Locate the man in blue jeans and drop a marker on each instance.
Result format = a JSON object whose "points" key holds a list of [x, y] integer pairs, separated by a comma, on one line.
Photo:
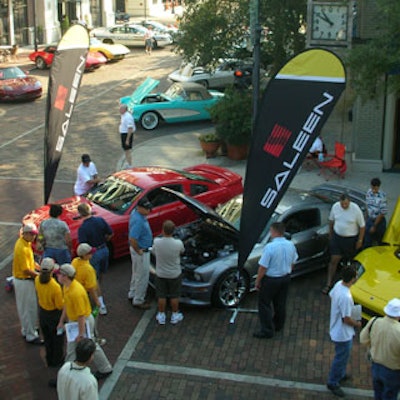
{"points": [[341, 329], [96, 232]]}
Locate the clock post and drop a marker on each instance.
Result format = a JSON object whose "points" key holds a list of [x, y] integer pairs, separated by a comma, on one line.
{"points": [[329, 23]]}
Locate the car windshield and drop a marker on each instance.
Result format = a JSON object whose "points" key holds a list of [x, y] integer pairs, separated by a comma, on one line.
{"points": [[11, 73], [175, 92], [95, 42], [114, 194], [231, 211]]}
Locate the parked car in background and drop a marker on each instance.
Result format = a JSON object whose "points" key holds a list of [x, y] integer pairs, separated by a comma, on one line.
{"points": [[43, 58], [210, 273], [378, 270], [16, 85], [181, 102], [159, 27], [121, 16], [116, 197], [129, 35], [113, 52], [220, 77]]}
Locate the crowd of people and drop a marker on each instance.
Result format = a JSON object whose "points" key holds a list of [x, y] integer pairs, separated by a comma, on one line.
{"points": [[63, 290]]}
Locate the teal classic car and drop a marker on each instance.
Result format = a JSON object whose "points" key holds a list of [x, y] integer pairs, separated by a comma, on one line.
{"points": [[181, 102]]}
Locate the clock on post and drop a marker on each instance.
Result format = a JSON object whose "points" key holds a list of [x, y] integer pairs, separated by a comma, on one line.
{"points": [[329, 23]]}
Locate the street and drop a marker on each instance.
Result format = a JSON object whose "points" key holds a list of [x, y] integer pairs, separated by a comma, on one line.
{"points": [[205, 356]]}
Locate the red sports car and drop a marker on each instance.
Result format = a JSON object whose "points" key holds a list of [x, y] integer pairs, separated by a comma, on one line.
{"points": [[117, 196], [16, 85], [43, 58]]}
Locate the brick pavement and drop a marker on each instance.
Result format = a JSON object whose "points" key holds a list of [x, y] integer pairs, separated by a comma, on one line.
{"points": [[207, 357]]}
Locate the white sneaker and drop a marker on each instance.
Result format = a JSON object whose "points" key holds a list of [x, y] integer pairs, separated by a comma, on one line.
{"points": [[101, 341], [103, 310], [160, 317], [176, 317]]}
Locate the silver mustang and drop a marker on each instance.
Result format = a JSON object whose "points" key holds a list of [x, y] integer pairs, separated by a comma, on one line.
{"points": [[210, 273]]}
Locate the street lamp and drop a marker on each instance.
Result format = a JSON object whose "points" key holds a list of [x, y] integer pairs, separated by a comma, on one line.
{"points": [[255, 31]]}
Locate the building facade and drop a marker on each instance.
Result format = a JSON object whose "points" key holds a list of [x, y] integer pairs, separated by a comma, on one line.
{"points": [[23, 22], [369, 129]]}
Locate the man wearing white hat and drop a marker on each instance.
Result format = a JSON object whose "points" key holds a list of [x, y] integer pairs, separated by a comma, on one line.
{"points": [[77, 309], [383, 337], [24, 271]]}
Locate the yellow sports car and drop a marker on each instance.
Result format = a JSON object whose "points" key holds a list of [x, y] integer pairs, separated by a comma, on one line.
{"points": [[112, 52], [379, 271]]}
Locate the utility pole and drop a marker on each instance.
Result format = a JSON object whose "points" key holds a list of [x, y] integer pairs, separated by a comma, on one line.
{"points": [[255, 31]]}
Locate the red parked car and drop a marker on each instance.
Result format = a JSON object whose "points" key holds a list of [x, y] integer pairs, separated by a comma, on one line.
{"points": [[43, 58], [117, 196], [16, 85]]}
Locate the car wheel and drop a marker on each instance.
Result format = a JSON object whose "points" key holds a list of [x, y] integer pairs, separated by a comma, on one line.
{"points": [[150, 120], [231, 288], [40, 63], [155, 44], [203, 83]]}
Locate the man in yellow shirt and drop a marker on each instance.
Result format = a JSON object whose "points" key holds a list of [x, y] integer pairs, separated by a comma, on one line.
{"points": [[51, 303], [77, 309], [86, 276], [85, 273], [24, 273]]}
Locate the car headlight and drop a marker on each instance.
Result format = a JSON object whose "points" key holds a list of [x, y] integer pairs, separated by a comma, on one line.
{"points": [[359, 268], [197, 277]]}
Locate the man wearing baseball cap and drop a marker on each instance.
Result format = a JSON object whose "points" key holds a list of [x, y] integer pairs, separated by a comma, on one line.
{"points": [[140, 241], [77, 308], [51, 303], [24, 271], [382, 335], [87, 176]]}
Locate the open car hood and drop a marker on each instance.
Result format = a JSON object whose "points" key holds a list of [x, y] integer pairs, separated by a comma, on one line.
{"points": [[205, 213], [141, 92], [392, 234]]}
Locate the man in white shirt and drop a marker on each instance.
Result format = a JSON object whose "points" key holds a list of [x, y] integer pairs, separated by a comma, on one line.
{"points": [[168, 250], [346, 234], [74, 380], [86, 176], [148, 40], [317, 147], [341, 329], [126, 129]]}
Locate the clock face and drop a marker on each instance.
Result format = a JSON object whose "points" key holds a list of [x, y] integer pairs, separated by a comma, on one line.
{"points": [[329, 22]]}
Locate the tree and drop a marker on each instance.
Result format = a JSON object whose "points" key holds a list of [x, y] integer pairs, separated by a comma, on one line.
{"points": [[214, 29], [370, 62]]}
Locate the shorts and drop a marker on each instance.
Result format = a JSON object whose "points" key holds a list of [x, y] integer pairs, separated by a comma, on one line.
{"points": [[166, 287], [149, 43], [123, 140], [343, 246]]}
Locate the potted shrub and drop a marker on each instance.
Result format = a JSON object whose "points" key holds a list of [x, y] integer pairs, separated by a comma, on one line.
{"points": [[232, 116], [210, 143]]}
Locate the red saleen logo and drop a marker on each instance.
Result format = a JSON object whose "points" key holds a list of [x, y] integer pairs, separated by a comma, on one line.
{"points": [[62, 92], [277, 140]]}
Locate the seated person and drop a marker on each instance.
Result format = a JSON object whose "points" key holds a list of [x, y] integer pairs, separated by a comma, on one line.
{"points": [[316, 148]]}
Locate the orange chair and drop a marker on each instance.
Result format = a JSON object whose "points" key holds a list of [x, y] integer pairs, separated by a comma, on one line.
{"points": [[334, 164]]}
